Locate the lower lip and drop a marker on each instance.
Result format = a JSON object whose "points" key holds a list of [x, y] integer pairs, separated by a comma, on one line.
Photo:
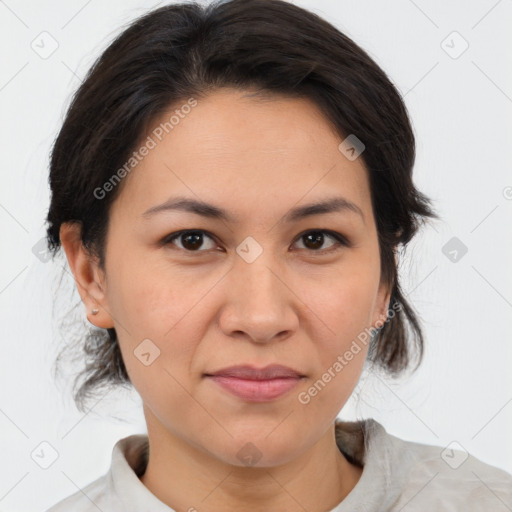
{"points": [[256, 390]]}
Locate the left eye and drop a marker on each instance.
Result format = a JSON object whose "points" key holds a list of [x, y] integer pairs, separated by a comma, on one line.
{"points": [[192, 240], [316, 238]]}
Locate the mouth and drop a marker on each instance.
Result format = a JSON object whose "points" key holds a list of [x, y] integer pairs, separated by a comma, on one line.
{"points": [[256, 384]]}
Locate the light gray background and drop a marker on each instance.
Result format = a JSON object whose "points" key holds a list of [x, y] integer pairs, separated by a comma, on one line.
{"points": [[461, 111]]}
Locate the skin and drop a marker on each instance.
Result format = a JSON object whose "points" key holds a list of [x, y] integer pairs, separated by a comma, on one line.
{"points": [[207, 308]]}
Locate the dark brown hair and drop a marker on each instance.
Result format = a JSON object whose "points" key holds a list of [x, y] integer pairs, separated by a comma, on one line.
{"points": [[272, 46]]}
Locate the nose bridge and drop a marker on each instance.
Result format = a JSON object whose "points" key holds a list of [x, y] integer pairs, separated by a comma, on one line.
{"points": [[259, 300], [256, 271]]}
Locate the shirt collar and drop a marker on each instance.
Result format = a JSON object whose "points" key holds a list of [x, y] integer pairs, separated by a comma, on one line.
{"points": [[385, 460], [129, 460]]}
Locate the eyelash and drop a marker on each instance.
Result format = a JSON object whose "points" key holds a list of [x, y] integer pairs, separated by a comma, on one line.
{"points": [[340, 240]]}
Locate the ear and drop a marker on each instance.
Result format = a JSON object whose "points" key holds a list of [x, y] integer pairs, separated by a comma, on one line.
{"points": [[381, 310], [382, 304], [89, 278]]}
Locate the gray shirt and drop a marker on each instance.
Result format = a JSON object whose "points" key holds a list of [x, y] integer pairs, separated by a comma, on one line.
{"points": [[397, 476]]}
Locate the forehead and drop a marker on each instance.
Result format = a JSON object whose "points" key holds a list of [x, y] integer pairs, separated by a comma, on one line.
{"points": [[246, 152]]}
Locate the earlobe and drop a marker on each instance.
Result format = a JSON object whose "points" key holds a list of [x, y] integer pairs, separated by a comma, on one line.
{"points": [[382, 314], [384, 299], [383, 303], [87, 275]]}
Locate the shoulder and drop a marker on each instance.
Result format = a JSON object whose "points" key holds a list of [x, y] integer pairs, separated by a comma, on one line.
{"points": [[405, 475], [89, 499], [119, 485], [443, 477]]}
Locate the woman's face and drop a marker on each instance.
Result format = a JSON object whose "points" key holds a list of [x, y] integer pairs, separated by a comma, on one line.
{"points": [[259, 287]]}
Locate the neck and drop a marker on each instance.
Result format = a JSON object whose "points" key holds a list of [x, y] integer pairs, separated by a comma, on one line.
{"points": [[187, 478]]}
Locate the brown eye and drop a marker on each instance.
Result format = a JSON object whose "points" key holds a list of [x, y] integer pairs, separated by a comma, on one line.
{"points": [[314, 240], [190, 241]]}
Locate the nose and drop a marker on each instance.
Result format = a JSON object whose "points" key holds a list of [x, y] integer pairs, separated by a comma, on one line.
{"points": [[260, 304]]}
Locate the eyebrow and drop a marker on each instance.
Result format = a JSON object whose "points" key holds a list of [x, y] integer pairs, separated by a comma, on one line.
{"points": [[186, 204]]}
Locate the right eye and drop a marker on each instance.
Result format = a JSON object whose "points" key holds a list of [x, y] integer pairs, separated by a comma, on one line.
{"points": [[190, 240]]}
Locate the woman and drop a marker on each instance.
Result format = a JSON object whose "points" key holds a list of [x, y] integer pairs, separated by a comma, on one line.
{"points": [[231, 186]]}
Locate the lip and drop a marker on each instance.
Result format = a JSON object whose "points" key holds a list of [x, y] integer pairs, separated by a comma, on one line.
{"points": [[249, 372], [257, 384]]}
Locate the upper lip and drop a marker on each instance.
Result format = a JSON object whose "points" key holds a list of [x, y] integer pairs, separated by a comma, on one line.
{"points": [[273, 371]]}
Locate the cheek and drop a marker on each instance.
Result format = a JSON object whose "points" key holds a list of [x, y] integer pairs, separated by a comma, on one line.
{"points": [[158, 304], [343, 302], [342, 305], [346, 311], [150, 299]]}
